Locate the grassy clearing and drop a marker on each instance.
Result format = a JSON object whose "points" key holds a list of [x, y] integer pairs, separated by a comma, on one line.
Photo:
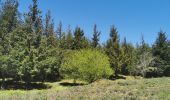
{"points": [[129, 89]]}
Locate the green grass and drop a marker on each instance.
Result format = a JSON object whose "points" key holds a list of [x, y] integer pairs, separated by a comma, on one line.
{"points": [[129, 89]]}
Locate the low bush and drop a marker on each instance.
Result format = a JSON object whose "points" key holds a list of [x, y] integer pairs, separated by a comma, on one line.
{"points": [[86, 65]]}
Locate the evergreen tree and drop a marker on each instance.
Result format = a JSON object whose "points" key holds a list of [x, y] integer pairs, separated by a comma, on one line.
{"points": [[144, 47], [48, 62], [128, 57], [160, 51], [144, 59], [33, 29], [69, 39], [167, 71], [34, 12], [8, 22], [86, 43], [60, 33], [35, 22], [39, 32], [51, 39], [49, 31], [79, 39], [114, 51], [47, 23], [9, 15], [95, 39], [63, 41]]}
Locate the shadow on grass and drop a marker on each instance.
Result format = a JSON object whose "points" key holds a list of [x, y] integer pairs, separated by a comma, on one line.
{"points": [[116, 77], [14, 85], [71, 84]]}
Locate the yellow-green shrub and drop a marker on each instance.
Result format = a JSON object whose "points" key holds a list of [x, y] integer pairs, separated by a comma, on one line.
{"points": [[86, 65]]}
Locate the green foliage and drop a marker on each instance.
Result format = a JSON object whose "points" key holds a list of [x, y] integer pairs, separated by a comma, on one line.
{"points": [[95, 39], [161, 52], [129, 59], [143, 64], [136, 89], [47, 66], [143, 60], [87, 65], [31, 50], [69, 39], [80, 41], [167, 71], [114, 51], [8, 23]]}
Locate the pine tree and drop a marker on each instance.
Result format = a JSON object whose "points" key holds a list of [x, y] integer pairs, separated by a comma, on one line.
{"points": [[51, 36], [47, 23], [63, 41], [114, 51], [78, 42], [39, 32], [60, 33], [144, 59], [168, 61], [69, 39], [8, 22], [33, 28], [128, 57], [96, 38], [35, 22], [144, 47], [9, 16], [34, 12], [160, 51]]}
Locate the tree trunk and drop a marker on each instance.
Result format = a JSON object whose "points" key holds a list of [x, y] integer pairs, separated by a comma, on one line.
{"points": [[3, 83], [116, 72]]}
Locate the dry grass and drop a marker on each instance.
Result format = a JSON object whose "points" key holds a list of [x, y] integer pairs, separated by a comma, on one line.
{"points": [[129, 89]]}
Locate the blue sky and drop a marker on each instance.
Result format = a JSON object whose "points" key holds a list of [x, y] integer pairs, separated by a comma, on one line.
{"points": [[131, 17]]}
